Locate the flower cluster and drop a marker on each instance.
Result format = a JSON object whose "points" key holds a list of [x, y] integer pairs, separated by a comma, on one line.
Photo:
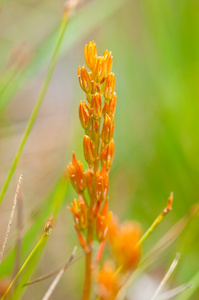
{"points": [[92, 216], [98, 143]]}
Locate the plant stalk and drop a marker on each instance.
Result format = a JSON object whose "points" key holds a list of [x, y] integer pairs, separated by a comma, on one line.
{"points": [[40, 99]]}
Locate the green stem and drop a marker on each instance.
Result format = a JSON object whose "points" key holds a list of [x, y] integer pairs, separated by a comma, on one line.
{"points": [[157, 221], [23, 266], [33, 116]]}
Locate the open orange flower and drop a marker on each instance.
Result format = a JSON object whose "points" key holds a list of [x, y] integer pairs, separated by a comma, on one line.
{"points": [[123, 241]]}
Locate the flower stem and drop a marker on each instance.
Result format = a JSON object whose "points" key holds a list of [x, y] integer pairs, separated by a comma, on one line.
{"points": [[88, 258], [157, 221], [33, 116]]}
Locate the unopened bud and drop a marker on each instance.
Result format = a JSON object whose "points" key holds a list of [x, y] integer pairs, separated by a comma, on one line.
{"points": [[88, 149], [109, 106], [97, 106], [98, 71], [90, 53], [81, 239], [84, 79], [77, 175], [109, 86], [108, 129], [108, 154], [102, 184], [108, 59], [84, 114]]}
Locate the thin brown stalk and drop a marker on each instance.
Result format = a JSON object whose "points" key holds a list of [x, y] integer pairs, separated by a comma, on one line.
{"points": [[44, 277], [167, 275], [11, 217], [19, 234], [58, 277]]}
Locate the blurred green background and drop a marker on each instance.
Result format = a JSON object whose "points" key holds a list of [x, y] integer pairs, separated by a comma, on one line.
{"points": [[155, 47]]}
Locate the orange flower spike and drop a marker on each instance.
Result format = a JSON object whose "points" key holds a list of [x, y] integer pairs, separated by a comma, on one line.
{"points": [[109, 86], [108, 129], [84, 80], [99, 68], [97, 106], [102, 184], [88, 149], [77, 175], [108, 59], [90, 53], [84, 114]]}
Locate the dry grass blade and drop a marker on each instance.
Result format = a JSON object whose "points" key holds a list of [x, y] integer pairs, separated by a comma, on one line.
{"points": [[11, 217], [19, 234], [44, 277], [166, 277], [59, 275], [175, 292]]}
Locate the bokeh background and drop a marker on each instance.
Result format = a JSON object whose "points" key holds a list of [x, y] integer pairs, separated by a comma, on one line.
{"points": [[155, 46]]}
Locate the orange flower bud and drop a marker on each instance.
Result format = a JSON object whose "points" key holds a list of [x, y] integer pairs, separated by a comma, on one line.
{"points": [[79, 211], [109, 86], [88, 149], [108, 129], [84, 114], [108, 154], [102, 222], [84, 79], [77, 175], [81, 239], [109, 106], [108, 283], [126, 254], [102, 184], [90, 53], [108, 59], [99, 68], [97, 106]]}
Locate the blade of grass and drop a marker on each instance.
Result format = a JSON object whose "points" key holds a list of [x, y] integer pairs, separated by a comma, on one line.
{"points": [[24, 265], [175, 292], [52, 206], [190, 292], [19, 234], [40, 99], [167, 276]]}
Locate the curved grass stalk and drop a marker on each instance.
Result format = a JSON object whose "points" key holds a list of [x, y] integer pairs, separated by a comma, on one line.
{"points": [[40, 99]]}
